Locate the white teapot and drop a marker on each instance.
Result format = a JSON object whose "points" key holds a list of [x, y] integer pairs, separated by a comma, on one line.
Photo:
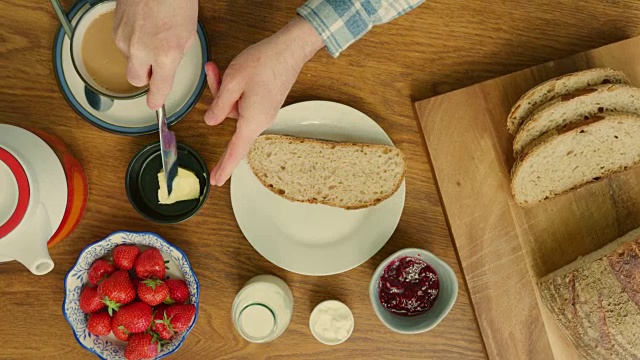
{"points": [[33, 197]]}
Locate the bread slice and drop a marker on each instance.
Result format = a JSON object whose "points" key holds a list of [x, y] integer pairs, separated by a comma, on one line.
{"points": [[576, 107], [557, 87], [563, 160], [345, 175], [596, 300]]}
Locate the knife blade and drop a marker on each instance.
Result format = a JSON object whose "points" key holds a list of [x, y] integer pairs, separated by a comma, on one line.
{"points": [[168, 149]]}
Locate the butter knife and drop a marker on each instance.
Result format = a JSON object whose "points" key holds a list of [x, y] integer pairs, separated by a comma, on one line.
{"points": [[168, 149]]}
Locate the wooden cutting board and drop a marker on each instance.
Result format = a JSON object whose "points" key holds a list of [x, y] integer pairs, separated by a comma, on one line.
{"points": [[503, 248]]}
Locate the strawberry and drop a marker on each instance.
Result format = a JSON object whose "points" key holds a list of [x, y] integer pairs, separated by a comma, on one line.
{"points": [[153, 291], [100, 269], [124, 256], [99, 324], [91, 300], [150, 263], [180, 316], [142, 346], [117, 290], [178, 291], [119, 331], [161, 324], [134, 317]]}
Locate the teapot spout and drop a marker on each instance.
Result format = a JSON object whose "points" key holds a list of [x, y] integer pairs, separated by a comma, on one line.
{"points": [[29, 246], [36, 258]]}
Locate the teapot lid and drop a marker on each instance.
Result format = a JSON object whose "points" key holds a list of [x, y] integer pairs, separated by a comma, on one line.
{"points": [[15, 195]]}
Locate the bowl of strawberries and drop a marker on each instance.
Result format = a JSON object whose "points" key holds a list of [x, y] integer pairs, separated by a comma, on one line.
{"points": [[131, 296]]}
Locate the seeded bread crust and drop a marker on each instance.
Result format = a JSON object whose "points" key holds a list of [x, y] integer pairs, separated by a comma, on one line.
{"points": [[556, 87], [596, 300], [328, 145], [550, 138]]}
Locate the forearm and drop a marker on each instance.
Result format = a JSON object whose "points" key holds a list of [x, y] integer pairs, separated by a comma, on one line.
{"points": [[302, 36], [342, 22]]}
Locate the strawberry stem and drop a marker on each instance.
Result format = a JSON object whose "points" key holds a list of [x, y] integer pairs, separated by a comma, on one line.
{"points": [[152, 282], [124, 329], [169, 301], [111, 305]]}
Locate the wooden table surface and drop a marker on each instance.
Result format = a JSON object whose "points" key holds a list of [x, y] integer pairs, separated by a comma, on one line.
{"points": [[441, 46]]}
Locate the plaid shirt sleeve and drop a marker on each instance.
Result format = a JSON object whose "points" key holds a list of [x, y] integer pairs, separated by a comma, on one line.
{"points": [[342, 22]]}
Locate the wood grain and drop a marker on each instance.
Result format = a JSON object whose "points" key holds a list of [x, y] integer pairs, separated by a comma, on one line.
{"points": [[441, 46], [504, 248]]}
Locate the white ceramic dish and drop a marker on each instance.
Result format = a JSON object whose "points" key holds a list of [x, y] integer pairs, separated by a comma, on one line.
{"points": [[424, 322], [108, 347], [47, 181], [314, 239], [314, 318]]}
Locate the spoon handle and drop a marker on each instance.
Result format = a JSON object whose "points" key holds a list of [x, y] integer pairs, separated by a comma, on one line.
{"points": [[66, 25]]}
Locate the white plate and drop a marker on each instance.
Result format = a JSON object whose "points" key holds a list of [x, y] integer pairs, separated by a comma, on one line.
{"points": [[45, 173], [313, 239]]}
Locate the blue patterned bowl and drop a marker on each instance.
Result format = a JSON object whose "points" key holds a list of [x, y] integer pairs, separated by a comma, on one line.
{"points": [[108, 347]]}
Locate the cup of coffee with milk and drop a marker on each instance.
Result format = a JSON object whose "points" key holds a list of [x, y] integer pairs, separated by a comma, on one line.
{"points": [[97, 59]]}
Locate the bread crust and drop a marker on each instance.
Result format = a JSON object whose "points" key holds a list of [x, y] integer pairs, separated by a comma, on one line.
{"points": [[592, 317], [329, 144]]}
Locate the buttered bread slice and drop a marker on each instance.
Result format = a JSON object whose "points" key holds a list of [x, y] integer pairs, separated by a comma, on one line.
{"points": [[345, 175], [563, 160]]}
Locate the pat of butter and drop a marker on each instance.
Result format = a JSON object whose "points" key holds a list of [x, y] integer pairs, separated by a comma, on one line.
{"points": [[186, 186]]}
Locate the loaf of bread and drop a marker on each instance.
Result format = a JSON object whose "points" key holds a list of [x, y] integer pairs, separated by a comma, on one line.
{"points": [[345, 175], [557, 87], [575, 107], [581, 153], [596, 300]]}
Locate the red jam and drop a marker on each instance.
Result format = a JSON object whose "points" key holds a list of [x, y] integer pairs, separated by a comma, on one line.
{"points": [[408, 286]]}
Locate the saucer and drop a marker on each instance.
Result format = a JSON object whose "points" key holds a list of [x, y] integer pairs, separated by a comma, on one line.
{"points": [[46, 177], [313, 239], [131, 117]]}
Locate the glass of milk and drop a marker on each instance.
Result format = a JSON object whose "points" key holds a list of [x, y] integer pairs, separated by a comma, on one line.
{"points": [[262, 309]]}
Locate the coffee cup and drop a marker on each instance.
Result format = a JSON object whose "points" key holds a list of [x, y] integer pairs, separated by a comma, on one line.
{"points": [[96, 58]]}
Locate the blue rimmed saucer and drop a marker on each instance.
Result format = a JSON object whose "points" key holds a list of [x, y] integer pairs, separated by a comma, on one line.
{"points": [[131, 117]]}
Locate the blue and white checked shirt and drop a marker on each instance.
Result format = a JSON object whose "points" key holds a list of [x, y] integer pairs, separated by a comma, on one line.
{"points": [[342, 22]]}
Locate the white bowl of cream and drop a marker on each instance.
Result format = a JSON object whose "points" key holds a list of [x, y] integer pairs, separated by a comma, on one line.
{"points": [[331, 322]]}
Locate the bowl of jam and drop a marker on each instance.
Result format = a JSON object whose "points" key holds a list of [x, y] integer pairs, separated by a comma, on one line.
{"points": [[412, 291]]}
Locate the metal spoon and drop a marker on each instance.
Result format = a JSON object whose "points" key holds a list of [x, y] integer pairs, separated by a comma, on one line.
{"points": [[95, 100]]}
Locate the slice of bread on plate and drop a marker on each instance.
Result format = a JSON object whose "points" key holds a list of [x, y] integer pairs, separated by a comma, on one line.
{"points": [[581, 153], [563, 85], [344, 175], [596, 300], [576, 107]]}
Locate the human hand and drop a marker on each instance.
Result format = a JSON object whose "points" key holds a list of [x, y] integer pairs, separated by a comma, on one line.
{"points": [[254, 87], [154, 35]]}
